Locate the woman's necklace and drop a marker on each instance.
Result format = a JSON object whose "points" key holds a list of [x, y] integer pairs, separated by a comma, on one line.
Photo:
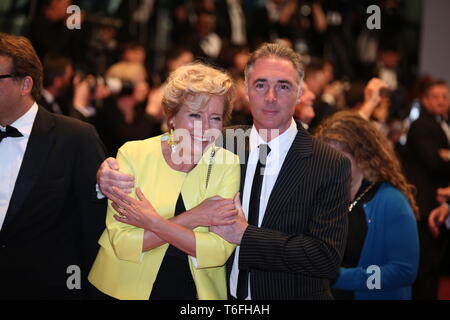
{"points": [[354, 203], [211, 159]]}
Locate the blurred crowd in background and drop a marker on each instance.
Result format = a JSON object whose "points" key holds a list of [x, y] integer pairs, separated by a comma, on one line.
{"points": [[138, 42]]}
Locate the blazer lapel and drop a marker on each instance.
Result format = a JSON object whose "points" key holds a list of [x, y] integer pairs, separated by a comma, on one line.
{"points": [[294, 167], [244, 163], [39, 144], [237, 138]]}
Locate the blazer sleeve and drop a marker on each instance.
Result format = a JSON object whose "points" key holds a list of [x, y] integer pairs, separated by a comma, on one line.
{"points": [[126, 240], [401, 243], [318, 251], [90, 154], [424, 145], [212, 250]]}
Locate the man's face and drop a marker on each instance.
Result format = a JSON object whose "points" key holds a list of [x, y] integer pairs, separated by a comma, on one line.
{"points": [[437, 100], [390, 59], [273, 91], [10, 91], [141, 89], [305, 110], [135, 55], [59, 9], [65, 81], [184, 58], [205, 24], [317, 81]]}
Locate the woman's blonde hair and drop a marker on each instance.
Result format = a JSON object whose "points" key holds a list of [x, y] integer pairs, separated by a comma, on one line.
{"points": [[193, 85], [369, 147]]}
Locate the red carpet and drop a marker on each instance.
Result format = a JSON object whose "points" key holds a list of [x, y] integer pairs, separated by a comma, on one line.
{"points": [[444, 288]]}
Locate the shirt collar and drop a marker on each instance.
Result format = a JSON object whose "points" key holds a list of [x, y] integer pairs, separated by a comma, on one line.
{"points": [[25, 123], [50, 98], [280, 144]]}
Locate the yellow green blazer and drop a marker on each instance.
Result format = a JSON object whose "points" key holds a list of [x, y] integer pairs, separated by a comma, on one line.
{"points": [[121, 270]]}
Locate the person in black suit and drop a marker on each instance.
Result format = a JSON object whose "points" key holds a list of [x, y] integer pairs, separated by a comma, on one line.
{"points": [[50, 217], [49, 33], [297, 210], [204, 42], [58, 73], [231, 21], [427, 166], [296, 205]]}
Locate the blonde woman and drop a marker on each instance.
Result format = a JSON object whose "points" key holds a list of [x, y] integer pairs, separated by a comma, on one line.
{"points": [[382, 253], [157, 244]]}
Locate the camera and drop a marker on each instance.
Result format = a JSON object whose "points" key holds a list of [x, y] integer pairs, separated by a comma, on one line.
{"points": [[384, 92], [116, 86]]}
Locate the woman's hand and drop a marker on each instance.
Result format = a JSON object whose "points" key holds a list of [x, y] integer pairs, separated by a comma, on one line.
{"points": [[139, 213], [215, 211]]}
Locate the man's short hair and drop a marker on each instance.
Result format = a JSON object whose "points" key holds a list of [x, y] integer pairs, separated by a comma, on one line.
{"points": [[25, 61], [432, 83], [315, 66], [273, 50], [54, 66]]}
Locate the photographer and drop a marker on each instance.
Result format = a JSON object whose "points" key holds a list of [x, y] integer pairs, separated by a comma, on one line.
{"points": [[69, 93], [55, 94], [122, 117]]}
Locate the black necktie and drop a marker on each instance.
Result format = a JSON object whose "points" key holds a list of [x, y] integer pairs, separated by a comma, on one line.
{"points": [[253, 213], [10, 132]]}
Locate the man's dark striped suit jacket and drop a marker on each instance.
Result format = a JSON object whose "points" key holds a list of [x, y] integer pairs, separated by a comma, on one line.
{"points": [[301, 241]]}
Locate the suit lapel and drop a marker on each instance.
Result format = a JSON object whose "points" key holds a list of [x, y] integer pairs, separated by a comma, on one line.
{"points": [[232, 138], [244, 163], [294, 167], [41, 140]]}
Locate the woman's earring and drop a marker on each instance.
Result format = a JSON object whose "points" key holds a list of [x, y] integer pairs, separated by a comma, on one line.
{"points": [[171, 142]]}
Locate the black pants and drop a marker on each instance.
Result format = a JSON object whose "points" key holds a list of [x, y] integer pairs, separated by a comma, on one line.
{"points": [[427, 282]]}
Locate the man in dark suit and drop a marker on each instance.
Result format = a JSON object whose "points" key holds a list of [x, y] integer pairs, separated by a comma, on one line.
{"points": [[50, 218], [295, 200], [58, 73], [62, 93], [427, 166], [296, 203]]}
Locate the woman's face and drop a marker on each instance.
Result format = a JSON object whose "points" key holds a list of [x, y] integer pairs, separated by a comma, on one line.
{"points": [[195, 130]]}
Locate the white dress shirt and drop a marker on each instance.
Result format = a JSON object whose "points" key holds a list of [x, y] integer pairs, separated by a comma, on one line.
{"points": [[279, 148], [50, 98], [237, 22], [211, 45], [12, 151]]}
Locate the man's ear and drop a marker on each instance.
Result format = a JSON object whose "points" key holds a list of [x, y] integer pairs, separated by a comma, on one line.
{"points": [[27, 85], [246, 91]]}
